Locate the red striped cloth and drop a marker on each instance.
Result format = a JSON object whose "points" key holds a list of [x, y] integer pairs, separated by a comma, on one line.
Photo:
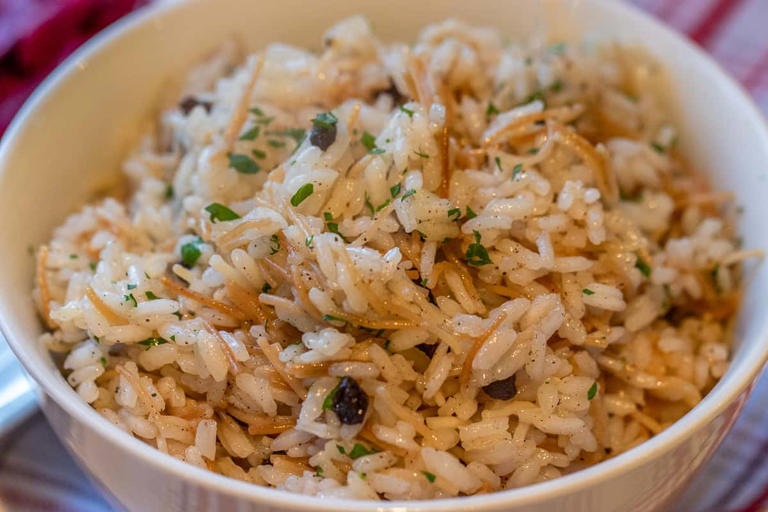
{"points": [[36, 474]]}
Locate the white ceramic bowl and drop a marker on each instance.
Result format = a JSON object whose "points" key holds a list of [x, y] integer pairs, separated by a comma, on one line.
{"points": [[82, 120]]}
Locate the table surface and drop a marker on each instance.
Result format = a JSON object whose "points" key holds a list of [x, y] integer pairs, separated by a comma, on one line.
{"points": [[37, 474]]}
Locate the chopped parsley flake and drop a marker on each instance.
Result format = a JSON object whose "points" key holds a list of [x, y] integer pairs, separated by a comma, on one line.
{"points": [[259, 154], [538, 95], [406, 111], [430, 476], [92, 265], [297, 134], [73, 256], [153, 342], [274, 244], [556, 86], [331, 318], [319, 471], [592, 391], [368, 140], [256, 111], [308, 241], [395, 190], [491, 110], [251, 134], [304, 192], [455, 213], [333, 227], [266, 288], [131, 287], [658, 147], [243, 164], [421, 155], [383, 205], [341, 449], [643, 267], [587, 291], [408, 194], [220, 212], [325, 120], [276, 143], [130, 298], [104, 362], [498, 163], [168, 191], [533, 151], [328, 401], [190, 253], [151, 296], [369, 204], [477, 255], [359, 450]]}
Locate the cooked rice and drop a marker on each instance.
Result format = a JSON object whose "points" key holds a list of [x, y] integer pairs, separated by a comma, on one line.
{"points": [[518, 225]]}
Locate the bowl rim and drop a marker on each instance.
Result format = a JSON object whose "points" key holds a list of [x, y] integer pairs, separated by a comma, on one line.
{"points": [[714, 403]]}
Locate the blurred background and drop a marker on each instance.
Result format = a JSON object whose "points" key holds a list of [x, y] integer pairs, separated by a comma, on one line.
{"points": [[37, 474]]}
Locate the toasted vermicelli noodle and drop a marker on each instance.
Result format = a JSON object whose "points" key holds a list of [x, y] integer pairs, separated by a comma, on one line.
{"points": [[385, 272]]}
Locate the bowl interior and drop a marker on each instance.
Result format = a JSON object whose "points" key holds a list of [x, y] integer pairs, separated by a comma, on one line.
{"points": [[73, 135]]}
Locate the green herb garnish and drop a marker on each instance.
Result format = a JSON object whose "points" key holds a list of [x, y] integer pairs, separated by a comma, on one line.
{"points": [[408, 194], [592, 391], [368, 140], [274, 244], [266, 288], [477, 255], [308, 241], [587, 291], [643, 267], [259, 154], [328, 401], [421, 155], [276, 143], [131, 287], [151, 296], [454, 212], [325, 120], [406, 110], [130, 298], [470, 213], [331, 318], [516, 170], [359, 450], [153, 342], [92, 265], [430, 476], [243, 164], [251, 134], [304, 192], [220, 212], [369, 204], [658, 147], [395, 190], [498, 163], [491, 110], [297, 134], [190, 253], [73, 256]]}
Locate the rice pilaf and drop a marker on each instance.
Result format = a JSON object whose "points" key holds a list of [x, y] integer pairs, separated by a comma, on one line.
{"points": [[393, 272]]}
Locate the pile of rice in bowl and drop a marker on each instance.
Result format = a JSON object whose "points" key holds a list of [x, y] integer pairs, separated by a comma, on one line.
{"points": [[393, 272]]}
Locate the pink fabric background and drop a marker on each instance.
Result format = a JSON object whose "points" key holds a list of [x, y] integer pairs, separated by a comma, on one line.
{"points": [[36, 473]]}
